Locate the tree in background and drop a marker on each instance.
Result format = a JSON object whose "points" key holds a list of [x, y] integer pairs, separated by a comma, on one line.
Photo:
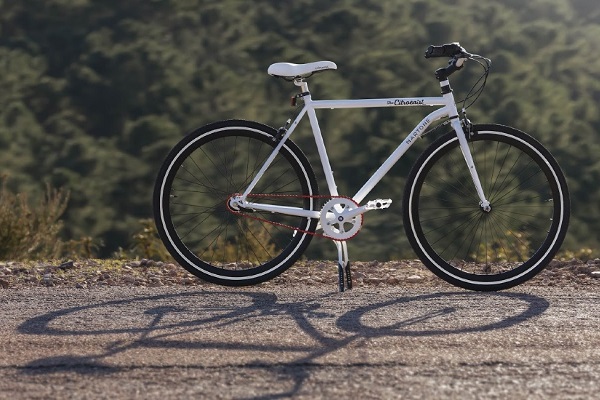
{"points": [[94, 94]]}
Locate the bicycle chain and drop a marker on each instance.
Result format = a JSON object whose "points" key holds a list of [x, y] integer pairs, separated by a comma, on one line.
{"points": [[289, 226]]}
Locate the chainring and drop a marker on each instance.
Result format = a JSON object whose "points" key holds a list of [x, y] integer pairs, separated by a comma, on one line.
{"points": [[335, 225]]}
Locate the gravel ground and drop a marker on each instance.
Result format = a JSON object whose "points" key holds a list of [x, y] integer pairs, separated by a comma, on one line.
{"points": [[109, 329], [419, 340], [149, 273]]}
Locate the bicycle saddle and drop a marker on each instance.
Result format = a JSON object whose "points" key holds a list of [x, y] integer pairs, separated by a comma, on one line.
{"points": [[290, 70]]}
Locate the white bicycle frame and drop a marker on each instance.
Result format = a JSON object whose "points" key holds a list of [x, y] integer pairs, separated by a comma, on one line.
{"points": [[447, 109]]}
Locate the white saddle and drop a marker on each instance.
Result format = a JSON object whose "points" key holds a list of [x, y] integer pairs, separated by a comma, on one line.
{"points": [[290, 70]]}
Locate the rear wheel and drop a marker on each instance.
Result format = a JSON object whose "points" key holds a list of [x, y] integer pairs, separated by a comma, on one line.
{"points": [[486, 249], [192, 192]]}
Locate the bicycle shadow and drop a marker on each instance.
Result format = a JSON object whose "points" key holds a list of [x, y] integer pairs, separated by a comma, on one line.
{"points": [[169, 326]]}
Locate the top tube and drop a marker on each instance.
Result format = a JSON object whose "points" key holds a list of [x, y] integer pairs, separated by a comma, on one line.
{"points": [[446, 99], [378, 103]]}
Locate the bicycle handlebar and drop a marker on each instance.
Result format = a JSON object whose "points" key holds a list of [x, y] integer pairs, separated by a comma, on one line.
{"points": [[445, 50], [452, 50]]}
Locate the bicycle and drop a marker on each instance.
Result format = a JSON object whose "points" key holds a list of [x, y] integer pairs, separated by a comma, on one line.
{"points": [[485, 207]]}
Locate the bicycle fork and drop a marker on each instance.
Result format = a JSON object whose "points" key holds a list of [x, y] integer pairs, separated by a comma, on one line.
{"points": [[466, 152]]}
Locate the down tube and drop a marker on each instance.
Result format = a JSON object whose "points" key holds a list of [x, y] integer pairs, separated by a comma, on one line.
{"points": [[398, 153]]}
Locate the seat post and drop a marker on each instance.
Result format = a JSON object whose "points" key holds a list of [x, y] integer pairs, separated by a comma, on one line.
{"points": [[302, 84]]}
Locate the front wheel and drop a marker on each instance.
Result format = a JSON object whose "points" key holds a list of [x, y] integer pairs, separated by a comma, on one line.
{"points": [[191, 199], [486, 249]]}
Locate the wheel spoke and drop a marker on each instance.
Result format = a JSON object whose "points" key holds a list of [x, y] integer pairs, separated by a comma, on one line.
{"points": [[483, 249], [218, 241]]}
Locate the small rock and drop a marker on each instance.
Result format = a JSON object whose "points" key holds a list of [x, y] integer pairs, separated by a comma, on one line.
{"points": [[66, 265], [47, 279], [595, 274], [414, 279], [582, 269], [392, 280], [4, 284]]}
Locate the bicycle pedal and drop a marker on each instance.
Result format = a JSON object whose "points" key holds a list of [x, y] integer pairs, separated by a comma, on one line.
{"points": [[378, 204]]}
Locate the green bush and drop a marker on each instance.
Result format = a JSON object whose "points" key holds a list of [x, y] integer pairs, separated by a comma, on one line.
{"points": [[146, 244], [28, 232]]}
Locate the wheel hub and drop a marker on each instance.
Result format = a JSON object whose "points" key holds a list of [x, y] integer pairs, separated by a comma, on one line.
{"points": [[486, 207]]}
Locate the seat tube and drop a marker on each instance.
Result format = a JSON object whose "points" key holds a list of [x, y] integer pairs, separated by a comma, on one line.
{"points": [[314, 123]]}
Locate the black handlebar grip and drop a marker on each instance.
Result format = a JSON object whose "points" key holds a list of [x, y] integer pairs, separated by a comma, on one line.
{"points": [[445, 50]]}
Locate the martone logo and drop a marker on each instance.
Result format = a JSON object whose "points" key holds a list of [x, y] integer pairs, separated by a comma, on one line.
{"points": [[402, 102], [418, 131]]}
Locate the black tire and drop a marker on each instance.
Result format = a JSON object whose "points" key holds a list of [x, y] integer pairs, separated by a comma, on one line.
{"points": [[473, 249], [190, 204]]}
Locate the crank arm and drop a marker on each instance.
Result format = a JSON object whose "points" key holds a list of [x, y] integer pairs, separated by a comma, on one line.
{"points": [[378, 204]]}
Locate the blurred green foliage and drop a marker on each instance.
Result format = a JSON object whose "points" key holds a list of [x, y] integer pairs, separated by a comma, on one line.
{"points": [[28, 231], [95, 93]]}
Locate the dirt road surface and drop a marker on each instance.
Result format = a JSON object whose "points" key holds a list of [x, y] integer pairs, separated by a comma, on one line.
{"points": [[299, 341]]}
